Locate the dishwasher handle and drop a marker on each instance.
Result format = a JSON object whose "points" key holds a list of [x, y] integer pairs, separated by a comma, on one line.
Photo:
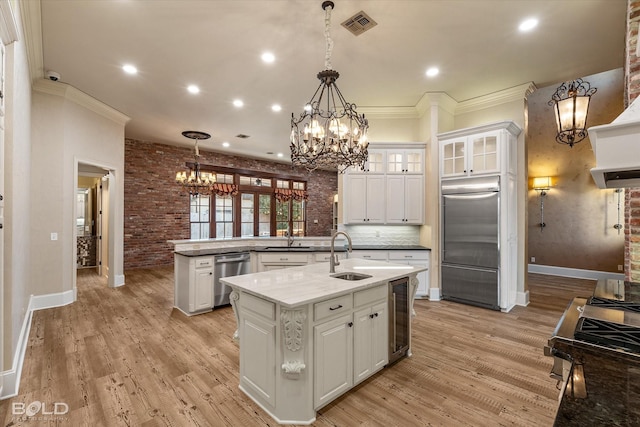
{"points": [[235, 257]]}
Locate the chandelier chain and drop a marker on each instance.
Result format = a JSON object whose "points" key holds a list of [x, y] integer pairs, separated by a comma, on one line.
{"points": [[327, 35]]}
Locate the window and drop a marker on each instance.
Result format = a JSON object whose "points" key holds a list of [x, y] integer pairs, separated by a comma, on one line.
{"points": [[260, 205], [199, 216], [224, 217]]}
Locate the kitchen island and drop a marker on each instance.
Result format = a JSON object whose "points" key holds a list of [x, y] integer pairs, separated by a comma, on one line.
{"points": [[307, 336]]}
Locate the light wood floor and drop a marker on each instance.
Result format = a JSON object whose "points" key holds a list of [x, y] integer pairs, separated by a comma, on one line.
{"points": [[124, 357]]}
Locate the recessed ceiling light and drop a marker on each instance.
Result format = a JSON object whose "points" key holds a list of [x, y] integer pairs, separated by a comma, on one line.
{"points": [[225, 144], [528, 24], [276, 107], [268, 57], [432, 72], [280, 154], [129, 69], [238, 103], [193, 89]]}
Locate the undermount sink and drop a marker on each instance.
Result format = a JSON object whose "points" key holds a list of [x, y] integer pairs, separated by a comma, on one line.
{"points": [[287, 248], [350, 276]]}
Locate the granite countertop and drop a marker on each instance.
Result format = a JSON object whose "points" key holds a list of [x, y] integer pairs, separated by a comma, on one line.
{"points": [[613, 391], [312, 283]]}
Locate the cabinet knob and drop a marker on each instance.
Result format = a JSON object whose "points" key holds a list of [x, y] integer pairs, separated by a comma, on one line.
{"points": [[471, 170], [210, 273], [350, 324]]}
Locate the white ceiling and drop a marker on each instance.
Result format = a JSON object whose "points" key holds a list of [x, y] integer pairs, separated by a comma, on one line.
{"points": [[217, 44]]}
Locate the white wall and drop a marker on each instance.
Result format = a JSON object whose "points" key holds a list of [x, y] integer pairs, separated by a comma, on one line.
{"points": [[70, 127], [17, 176]]}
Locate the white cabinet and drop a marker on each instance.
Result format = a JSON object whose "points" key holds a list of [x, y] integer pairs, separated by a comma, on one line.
{"points": [[326, 256], [391, 188], [483, 150], [471, 155], [405, 199], [370, 334], [375, 162], [417, 258], [400, 161], [278, 260], [193, 284], [333, 359], [364, 201]]}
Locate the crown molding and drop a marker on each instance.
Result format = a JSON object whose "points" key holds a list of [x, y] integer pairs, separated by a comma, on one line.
{"points": [[80, 98], [436, 99], [8, 27], [516, 93], [30, 13], [389, 112]]}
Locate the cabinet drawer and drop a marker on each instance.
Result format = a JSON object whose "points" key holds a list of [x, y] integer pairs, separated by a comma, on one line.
{"points": [[370, 295], [374, 255], [259, 306], [408, 255], [339, 305], [204, 262], [325, 256], [284, 258]]}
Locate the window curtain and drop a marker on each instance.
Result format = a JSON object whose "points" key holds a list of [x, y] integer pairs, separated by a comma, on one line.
{"points": [[224, 190], [285, 194]]}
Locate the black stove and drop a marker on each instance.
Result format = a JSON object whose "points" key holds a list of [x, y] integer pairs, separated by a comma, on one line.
{"points": [[608, 334], [615, 304]]}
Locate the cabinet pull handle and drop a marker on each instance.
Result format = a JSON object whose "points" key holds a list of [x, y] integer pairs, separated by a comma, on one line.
{"points": [[350, 324], [375, 314], [284, 259], [408, 256], [336, 307]]}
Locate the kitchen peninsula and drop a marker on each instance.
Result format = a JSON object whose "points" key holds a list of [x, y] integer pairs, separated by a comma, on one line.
{"points": [[307, 336]]}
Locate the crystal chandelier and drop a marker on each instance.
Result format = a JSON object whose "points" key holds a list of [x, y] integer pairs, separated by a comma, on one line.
{"points": [[571, 104], [329, 132], [194, 181]]}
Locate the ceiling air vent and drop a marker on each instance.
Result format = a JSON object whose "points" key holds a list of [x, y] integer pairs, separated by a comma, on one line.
{"points": [[242, 136], [359, 23]]}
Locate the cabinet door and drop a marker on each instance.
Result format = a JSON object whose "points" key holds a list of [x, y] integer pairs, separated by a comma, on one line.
{"points": [[203, 289], [376, 161], [333, 352], [483, 154], [356, 199], [405, 161], [396, 200], [413, 199], [257, 363], [375, 199], [453, 158], [379, 336], [362, 354]]}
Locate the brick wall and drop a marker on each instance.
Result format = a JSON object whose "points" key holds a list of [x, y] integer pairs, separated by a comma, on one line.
{"points": [[156, 210], [632, 196]]}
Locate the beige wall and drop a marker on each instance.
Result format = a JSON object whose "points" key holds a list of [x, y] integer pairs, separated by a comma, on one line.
{"points": [[579, 217], [70, 127], [17, 175]]}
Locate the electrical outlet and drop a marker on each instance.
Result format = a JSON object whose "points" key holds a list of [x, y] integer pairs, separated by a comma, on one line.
{"points": [[533, 259], [54, 236], [377, 233], [619, 267]]}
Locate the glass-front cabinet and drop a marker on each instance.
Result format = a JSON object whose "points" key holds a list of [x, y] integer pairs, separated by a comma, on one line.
{"points": [[470, 155], [405, 161]]}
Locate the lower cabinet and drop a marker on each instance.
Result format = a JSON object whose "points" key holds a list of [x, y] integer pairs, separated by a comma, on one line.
{"points": [[417, 258], [193, 284], [351, 348], [279, 260], [333, 359]]}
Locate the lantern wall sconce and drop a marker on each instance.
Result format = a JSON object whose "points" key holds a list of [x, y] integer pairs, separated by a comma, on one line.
{"points": [[570, 103], [542, 184]]}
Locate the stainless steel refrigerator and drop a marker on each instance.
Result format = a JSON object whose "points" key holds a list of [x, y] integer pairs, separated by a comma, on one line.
{"points": [[470, 241]]}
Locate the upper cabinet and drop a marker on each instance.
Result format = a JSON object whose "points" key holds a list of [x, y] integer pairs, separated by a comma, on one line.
{"points": [[390, 189], [410, 161], [479, 151]]}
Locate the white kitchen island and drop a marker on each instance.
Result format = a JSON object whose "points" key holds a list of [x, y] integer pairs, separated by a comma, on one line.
{"points": [[306, 337]]}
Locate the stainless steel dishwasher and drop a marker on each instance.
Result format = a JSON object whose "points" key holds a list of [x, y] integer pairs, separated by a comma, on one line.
{"points": [[230, 264]]}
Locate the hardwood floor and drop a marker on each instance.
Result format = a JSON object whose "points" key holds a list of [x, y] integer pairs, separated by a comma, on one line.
{"points": [[125, 357]]}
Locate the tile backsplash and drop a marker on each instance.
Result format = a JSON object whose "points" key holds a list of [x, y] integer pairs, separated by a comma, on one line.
{"points": [[383, 234]]}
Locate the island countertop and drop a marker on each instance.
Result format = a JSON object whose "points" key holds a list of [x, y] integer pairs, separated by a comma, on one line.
{"points": [[296, 286]]}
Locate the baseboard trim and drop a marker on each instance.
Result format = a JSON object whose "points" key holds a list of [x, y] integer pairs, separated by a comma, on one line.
{"points": [[573, 272], [434, 294], [11, 377], [522, 298]]}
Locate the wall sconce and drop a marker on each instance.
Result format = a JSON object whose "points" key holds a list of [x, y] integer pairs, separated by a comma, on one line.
{"points": [[542, 184], [571, 104], [618, 226]]}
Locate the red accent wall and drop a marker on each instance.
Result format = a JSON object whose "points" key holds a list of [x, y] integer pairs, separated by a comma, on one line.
{"points": [[156, 210]]}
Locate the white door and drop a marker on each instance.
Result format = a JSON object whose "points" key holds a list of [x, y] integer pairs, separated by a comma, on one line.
{"points": [[413, 199], [333, 359], [375, 199]]}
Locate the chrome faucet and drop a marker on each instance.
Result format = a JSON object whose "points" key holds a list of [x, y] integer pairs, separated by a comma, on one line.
{"points": [[333, 259], [289, 238]]}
